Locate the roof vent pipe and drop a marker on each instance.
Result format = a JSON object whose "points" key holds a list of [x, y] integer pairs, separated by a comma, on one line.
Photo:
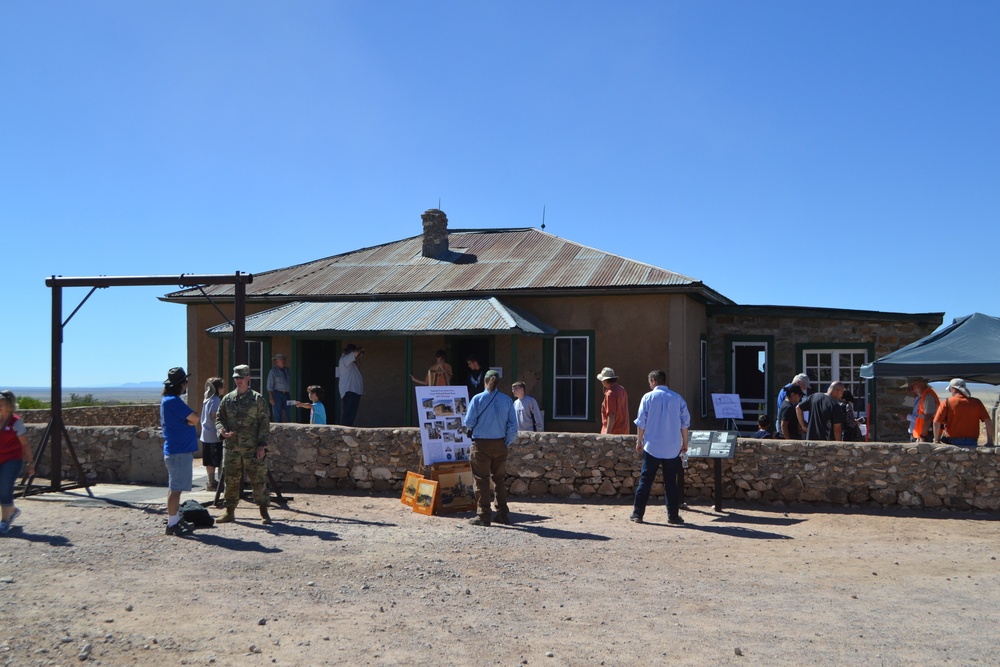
{"points": [[435, 233]]}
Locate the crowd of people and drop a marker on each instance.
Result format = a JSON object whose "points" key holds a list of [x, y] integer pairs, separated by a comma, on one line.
{"points": [[235, 427]]}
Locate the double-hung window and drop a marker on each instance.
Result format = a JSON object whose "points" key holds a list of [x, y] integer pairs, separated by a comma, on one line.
{"points": [[572, 393]]}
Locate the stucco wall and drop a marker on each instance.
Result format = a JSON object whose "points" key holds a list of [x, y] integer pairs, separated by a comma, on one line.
{"points": [[587, 466]]}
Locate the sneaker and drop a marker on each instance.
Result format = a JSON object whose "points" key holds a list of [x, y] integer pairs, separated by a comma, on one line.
{"points": [[17, 513], [4, 527], [178, 529], [635, 517], [675, 520], [478, 521]]}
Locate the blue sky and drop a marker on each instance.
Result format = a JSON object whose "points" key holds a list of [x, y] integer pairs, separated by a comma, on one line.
{"points": [[834, 154]]}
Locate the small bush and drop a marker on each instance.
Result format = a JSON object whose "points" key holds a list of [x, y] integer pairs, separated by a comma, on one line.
{"points": [[30, 403]]}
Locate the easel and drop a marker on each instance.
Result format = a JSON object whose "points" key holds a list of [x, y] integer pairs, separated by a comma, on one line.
{"points": [[56, 428]]}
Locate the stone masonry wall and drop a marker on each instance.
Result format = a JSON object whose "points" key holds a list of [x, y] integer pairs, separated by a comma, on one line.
{"points": [[797, 327], [146, 415], [573, 465]]}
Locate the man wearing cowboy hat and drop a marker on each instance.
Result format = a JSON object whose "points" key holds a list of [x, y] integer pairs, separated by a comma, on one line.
{"points": [[614, 409], [960, 416], [925, 407]]}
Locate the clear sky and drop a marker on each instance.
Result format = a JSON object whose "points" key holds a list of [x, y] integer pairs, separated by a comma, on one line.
{"points": [[834, 154]]}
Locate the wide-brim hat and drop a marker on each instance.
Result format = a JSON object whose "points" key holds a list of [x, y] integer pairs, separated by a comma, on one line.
{"points": [[607, 373], [175, 376], [958, 384]]}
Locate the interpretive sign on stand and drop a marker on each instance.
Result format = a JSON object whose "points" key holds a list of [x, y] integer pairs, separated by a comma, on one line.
{"points": [[712, 444], [441, 414], [716, 445]]}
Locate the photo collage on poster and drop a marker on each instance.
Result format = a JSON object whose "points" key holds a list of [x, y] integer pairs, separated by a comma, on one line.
{"points": [[441, 413]]}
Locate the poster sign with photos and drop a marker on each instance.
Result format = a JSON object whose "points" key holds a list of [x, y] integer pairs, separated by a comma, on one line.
{"points": [[441, 412]]}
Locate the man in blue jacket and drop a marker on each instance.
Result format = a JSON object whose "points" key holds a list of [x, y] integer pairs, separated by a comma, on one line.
{"points": [[492, 425]]}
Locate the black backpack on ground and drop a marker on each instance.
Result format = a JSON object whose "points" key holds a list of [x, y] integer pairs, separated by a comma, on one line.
{"points": [[196, 515]]}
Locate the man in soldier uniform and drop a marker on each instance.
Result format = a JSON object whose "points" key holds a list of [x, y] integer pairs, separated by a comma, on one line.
{"points": [[244, 424]]}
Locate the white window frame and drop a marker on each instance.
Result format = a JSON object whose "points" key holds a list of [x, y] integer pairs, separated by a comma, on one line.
{"points": [[578, 376], [849, 375], [256, 365]]}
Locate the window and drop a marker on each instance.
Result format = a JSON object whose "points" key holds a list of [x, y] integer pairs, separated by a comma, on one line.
{"points": [[572, 377], [833, 365], [255, 359]]}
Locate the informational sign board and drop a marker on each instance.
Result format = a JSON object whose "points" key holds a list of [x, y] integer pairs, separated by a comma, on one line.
{"points": [[712, 444], [727, 406], [441, 412]]}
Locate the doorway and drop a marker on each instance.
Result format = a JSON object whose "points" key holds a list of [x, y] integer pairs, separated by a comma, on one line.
{"points": [[749, 380], [462, 349], [317, 365]]}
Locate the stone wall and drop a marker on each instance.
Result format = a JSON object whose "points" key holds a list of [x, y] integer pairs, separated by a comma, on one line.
{"points": [[146, 415], [587, 466], [795, 328]]}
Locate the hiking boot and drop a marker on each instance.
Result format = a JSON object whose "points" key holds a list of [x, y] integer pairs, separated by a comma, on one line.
{"points": [[635, 517], [502, 519], [265, 518], [676, 520], [228, 517], [212, 485], [479, 521]]}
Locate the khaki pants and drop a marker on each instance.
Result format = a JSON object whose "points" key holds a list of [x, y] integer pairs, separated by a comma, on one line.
{"points": [[489, 462]]}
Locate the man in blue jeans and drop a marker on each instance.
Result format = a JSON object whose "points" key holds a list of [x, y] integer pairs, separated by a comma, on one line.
{"points": [[663, 424], [279, 386]]}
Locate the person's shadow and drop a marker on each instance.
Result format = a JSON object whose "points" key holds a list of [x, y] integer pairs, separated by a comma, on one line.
{"points": [[527, 523], [18, 532]]}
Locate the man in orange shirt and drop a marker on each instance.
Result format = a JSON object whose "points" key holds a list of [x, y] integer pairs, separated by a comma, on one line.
{"points": [[960, 416], [614, 409]]}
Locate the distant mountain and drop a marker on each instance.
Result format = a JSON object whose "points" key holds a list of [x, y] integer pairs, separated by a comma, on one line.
{"points": [[148, 383]]}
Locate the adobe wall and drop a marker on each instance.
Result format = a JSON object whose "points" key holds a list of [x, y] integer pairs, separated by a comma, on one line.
{"points": [[587, 466]]}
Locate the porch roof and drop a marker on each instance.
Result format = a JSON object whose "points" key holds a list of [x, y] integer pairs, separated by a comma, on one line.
{"points": [[391, 317]]}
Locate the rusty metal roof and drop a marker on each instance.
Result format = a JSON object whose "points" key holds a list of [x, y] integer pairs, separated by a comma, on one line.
{"points": [[479, 261], [412, 317]]}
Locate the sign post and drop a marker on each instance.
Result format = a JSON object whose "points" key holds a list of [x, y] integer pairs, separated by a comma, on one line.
{"points": [[716, 445]]}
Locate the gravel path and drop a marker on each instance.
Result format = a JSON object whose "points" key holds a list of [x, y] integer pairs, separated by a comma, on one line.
{"points": [[360, 580]]}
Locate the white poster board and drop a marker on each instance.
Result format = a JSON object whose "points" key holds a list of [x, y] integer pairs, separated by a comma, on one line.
{"points": [[727, 406], [441, 415]]}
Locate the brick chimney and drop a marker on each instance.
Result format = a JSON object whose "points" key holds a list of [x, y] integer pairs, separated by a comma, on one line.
{"points": [[435, 233]]}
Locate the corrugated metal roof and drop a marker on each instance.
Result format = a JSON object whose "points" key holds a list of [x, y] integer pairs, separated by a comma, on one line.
{"points": [[430, 316], [479, 261]]}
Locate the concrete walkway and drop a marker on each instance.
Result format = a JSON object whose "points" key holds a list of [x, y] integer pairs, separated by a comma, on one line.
{"points": [[128, 494]]}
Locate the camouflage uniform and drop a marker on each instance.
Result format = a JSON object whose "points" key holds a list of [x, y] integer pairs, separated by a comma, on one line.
{"points": [[247, 415]]}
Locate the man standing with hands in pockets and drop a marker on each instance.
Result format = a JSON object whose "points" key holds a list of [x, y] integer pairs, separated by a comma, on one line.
{"points": [[663, 424]]}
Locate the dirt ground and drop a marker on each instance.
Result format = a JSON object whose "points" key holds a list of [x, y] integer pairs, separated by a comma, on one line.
{"points": [[362, 580]]}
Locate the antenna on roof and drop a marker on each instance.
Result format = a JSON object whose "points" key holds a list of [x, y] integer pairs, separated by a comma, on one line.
{"points": [[543, 216], [439, 203]]}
